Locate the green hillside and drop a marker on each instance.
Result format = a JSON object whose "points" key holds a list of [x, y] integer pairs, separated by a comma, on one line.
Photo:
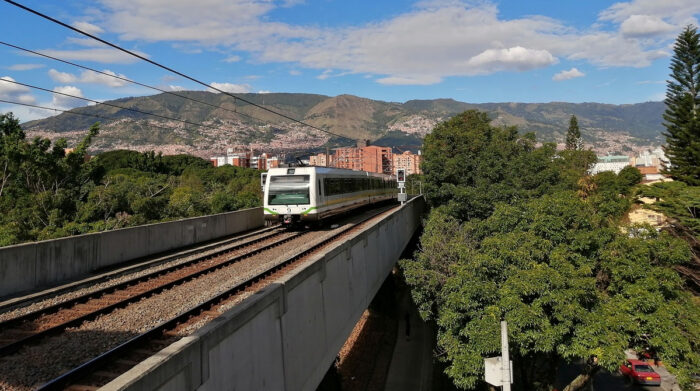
{"points": [[233, 122]]}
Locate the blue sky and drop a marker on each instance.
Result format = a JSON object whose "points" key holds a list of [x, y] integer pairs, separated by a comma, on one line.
{"points": [[472, 51]]}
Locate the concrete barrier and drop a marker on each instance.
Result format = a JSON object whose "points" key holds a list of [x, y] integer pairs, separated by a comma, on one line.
{"points": [[29, 266], [286, 336]]}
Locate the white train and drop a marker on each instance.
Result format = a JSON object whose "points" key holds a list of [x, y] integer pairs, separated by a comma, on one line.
{"points": [[314, 193]]}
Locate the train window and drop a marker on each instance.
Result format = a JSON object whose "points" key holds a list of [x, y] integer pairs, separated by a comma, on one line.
{"points": [[320, 188], [289, 190], [333, 186]]}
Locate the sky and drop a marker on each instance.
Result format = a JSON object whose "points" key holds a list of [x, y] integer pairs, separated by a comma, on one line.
{"points": [[391, 50]]}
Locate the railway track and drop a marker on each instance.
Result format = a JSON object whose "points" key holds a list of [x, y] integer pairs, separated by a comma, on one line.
{"points": [[106, 366], [34, 326], [22, 303]]}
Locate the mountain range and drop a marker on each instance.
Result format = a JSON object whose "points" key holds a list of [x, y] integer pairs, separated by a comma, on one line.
{"points": [[224, 122]]}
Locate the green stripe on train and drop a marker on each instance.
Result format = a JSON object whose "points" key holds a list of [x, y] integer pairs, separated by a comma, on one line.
{"points": [[304, 212], [308, 210]]}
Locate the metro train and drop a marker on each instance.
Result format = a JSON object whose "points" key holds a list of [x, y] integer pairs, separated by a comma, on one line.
{"points": [[308, 194]]}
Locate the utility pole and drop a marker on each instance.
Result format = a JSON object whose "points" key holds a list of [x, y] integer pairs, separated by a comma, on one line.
{"points": [[506, 376], [499, 370]]}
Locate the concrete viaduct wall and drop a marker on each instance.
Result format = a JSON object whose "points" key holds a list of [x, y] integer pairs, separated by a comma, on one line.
{"points": [[286, 336], [25, 267]]}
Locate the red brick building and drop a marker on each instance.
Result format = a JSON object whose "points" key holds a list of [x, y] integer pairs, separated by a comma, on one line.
{"points": [[367, 158], [377, 159], [349, 158]]}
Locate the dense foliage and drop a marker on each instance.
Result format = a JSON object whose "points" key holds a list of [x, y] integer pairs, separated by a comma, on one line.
{"points": [[469, 166], [521, 233], [47, 193], [682, 116]]}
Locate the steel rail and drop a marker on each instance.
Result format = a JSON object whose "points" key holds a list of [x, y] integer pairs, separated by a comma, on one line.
{"points": [[4, 325], [32, 338], [137, 265], [71, 377]]}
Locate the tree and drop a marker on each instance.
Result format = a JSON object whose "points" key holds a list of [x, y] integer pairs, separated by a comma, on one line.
{"points": [[682, 116], [469, 165], [520, 233], [571, 286], [573, 135], [629, 176]]}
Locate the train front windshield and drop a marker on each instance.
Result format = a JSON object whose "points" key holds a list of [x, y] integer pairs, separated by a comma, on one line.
{"points": [[289, 190]]}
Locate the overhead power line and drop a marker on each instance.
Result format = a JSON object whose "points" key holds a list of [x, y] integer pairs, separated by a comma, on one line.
{"points": [[131, 53], [127, 80], [71, 112], [111, 104], [52, 109]]}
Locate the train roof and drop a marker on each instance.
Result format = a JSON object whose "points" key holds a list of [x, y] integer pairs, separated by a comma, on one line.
{"points": [[326, 171]]}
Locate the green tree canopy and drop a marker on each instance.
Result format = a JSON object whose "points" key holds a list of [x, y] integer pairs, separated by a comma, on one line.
{"points": [[469, 165], [47, 193], [570, 286], [682, 116], [524, 234]]}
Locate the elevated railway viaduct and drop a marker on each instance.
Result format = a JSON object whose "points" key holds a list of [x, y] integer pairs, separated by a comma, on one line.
{"points": [[283, 335]]}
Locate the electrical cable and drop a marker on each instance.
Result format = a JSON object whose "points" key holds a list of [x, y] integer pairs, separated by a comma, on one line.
{"points": [[72, 112], [51, 109], [127, 80], [117, 47], [110, 104]]}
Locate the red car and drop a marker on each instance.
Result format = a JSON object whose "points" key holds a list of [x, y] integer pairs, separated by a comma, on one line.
{"points": [[640, 372]]}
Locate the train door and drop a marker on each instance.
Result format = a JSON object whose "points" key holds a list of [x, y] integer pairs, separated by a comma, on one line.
{"points": [[320, 192]]}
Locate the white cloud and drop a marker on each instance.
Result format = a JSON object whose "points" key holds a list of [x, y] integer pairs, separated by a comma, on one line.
{"points": [[421, 80], [174, 88], [62, 77], [86, 42], [98, 78], [294, 72], [88, 77], [567, 75], [88, 27], [325, 75], [264, 92], [644, 25], [15, 92], [25, 67], [512, 59], [432, 40], [232, 59], [66, 102], [677, 11], [230, 88]]}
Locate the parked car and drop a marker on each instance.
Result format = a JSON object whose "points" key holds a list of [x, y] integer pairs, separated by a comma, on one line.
{"points": [[640, 372]]}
